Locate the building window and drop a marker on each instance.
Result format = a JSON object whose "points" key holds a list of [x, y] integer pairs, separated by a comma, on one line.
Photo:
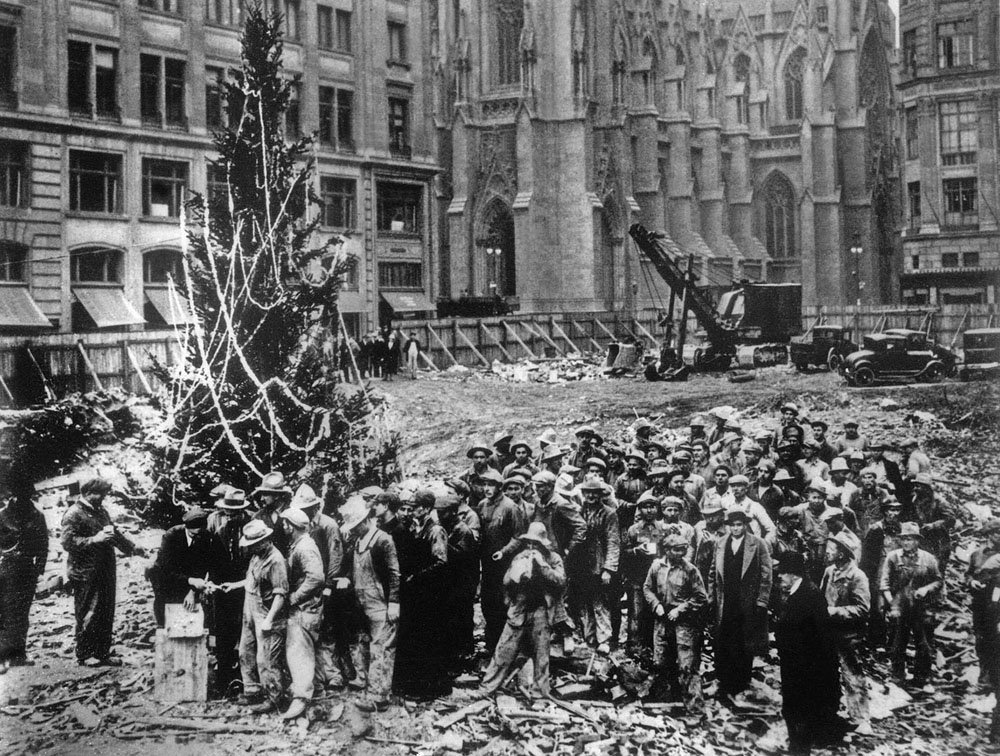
{"points": [[909, 46], [794, 68], [92, 77], [399, 127], [161, 91], [337, 198], [8, 66], [955, 43], [779, 217], [399, 208], [95, 265], [292, 18], [78, 78], [742, 109], [915, 262], [619, 82], [913, 201], [960, 207], [741, 68], [336, 118], [226, 12], [912, 134], [95, 180], [160, 266], [397, 42], [13, 262], [216, 186], [342, 29], [949, 259], [164, 183], [959, 126], [215, 110], [508, 22], [324, 27], [293, 113], [822, 15], [970, 259], [400, 275], [164, 6], [757, 22], [13, 174]]}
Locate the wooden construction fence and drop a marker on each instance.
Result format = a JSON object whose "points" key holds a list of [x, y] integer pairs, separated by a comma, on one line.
{"points": [[83, 362]]}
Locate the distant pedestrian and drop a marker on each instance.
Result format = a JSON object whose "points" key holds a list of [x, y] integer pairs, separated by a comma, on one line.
{"points": [[390, 357], [984, 567], [24, 548], [412, 349]]}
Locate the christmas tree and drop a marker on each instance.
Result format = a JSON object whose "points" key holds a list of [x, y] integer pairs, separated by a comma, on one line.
{"points": [[260, 388]]}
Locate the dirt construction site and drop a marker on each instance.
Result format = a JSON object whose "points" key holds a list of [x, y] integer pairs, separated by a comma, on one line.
{"points": [[57, 707]]}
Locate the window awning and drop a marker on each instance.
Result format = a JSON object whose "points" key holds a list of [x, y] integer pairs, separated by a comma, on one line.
{"points": [[173, 309], [18, 309], [350, 301], [108, 307], [405, 302]]}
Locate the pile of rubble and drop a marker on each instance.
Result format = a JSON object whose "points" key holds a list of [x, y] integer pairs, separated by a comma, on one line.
{"points": [[573, 367]]}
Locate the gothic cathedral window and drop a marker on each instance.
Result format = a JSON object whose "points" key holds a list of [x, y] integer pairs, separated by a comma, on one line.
{"points": [[509, 17], [779, 217], [794, 69]]}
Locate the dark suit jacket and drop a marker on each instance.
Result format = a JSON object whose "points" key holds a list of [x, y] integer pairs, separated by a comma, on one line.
{"points": [[755, 591], [810, 676], [177, 561]]}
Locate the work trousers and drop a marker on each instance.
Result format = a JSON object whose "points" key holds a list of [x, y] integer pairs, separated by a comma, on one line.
{"points": [[300, 652], [94, 607], [517, 643], [915, 623], [677, 658], [614, 591], [411, 364], [492, 602], [987, 641], [853, 680], [588, 600], [18, 579], [227, 628], [262, 654], [733, 659], [377, 652], [640, 621]]}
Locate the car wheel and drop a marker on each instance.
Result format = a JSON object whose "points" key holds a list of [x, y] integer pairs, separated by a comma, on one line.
{"points": [[864, 377], [932, 374], [834, 361]]}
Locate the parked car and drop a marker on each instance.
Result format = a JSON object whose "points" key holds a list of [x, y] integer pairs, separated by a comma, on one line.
{"points": [[828, 345], [898, 354], [980, 353]]}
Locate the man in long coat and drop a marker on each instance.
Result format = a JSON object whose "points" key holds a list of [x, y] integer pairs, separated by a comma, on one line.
{"points": [[740, 589], [189, 558], [810, 679], [24, 547]]}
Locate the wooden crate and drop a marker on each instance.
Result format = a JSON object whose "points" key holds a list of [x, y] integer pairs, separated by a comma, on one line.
{"points": [[180, 670]]}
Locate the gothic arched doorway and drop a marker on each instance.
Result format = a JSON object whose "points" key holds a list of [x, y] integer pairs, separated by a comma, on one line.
{"points": [[496, 243]]}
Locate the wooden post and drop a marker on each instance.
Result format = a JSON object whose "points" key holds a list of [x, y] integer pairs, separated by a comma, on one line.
{"points": [[495, 340], [603, 328], [437, 338], [562, 334], [6, 391], [531, 325], [123, 358], [583, 330], [90, 366], [50, 393], [430, 362], [138, 370], [472, 346], [642, 329], [517, 338], [180, 666]]}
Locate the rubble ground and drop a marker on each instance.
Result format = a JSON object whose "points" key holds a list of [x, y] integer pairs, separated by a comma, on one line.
{"points": [[56, 707]]}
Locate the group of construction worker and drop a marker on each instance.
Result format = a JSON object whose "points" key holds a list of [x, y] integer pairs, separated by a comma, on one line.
{"points": [[670, 532]]}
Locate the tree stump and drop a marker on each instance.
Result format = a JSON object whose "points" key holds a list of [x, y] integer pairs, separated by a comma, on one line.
{"points": [[180, 670]]}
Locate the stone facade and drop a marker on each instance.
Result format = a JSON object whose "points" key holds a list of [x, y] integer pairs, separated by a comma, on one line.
{"points": [[759, 135], [106, 110], [949, 91]]}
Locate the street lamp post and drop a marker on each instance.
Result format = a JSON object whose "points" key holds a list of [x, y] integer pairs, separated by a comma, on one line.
{"points": [[856, 252]]}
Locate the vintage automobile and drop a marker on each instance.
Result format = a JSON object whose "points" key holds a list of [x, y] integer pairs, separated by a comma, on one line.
{"points": [[897, 354], [828, 345], [981, 353]]}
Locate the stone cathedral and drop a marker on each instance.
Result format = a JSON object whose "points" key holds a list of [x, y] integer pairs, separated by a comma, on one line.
{"points": [[758, 135]]}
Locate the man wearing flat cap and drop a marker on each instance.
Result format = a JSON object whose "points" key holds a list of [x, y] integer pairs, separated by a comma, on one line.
{"points": [[479, 454], [587, 446], [632, 482], [811, 466], [594, 569], [935, 518], [89, 539], [730, 455], [187, 564], [882, 538], [851, 440], [868, 500], [910, 584], [827, 451], [983, 571], [502, 454], [739, 589]]}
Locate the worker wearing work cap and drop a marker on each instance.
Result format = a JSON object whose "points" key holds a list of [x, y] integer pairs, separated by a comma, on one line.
{"points": [[186, 564]]}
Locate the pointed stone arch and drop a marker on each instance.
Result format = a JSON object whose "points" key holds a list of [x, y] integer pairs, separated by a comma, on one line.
{"points": [[792, 77], [778, 216], [496, 246]]}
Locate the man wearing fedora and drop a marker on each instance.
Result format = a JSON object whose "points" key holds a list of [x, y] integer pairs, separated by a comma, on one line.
{"points": [[632, 482], [675, 593], [262, 643], [306, 581], [588, 441], [375, 579], [910, 584], [502, 455], [522, 459], [740, 589], [594, 568], [826, 450], [848, 601], [479, 453], [226, 524], [273, 493], [531, 583]]}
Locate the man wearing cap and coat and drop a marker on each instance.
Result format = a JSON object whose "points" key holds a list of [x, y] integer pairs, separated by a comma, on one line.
{"points": [[502, 521], [739, 588], [502, 455], [24, 549], [881, 539], [532, 583], [460, 581], [186, 565], [935, 518], [810, 680], [594, 567], [984, 567], [89, 539]]}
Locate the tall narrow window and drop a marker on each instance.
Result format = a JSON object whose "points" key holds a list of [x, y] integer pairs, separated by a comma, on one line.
{"points": [[913, 201], [955, 44], [794, 68], [164, 184], [345, 119], [397, 42], [227, 12], [291, 8], [13, 174], [8, 66], [343, 31], [106, 82], [149, 89], [95, 182], [214, 106], [336, 118], [912, 134], [293, 116], [508, 22], [337, 198], [399, 127], [78, 77], [216, 185], [909, 50], [324, 27], [779, 217], [174, 92], [959, 132]]}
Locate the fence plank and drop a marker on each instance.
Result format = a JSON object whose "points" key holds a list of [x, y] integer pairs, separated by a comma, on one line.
{"points": [[534, 327], [437, 338], [138, 370], [562, 334], [468, 343], [90, 366], [495, 340], [590, 338], [517, 338]]}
